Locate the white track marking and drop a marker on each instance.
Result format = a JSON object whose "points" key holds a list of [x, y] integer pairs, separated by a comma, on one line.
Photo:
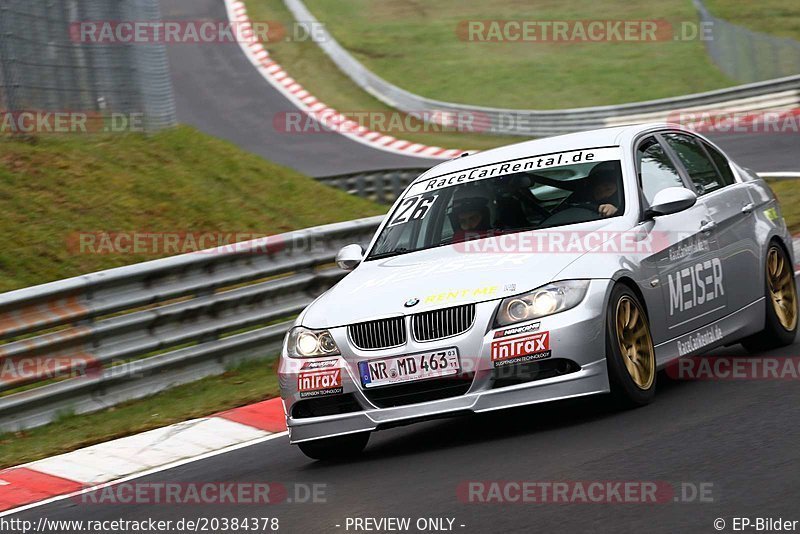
{"points": [[126, 456], [149, 472]]}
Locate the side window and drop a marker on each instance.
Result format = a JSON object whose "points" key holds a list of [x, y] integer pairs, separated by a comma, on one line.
{"points": [[656, 169], [700, 168], [723, 166]]}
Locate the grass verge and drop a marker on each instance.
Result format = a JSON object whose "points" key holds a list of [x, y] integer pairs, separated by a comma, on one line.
{"points": [[776, 17], [415, 46], [247, 383], [53, 189], [788, 194]]}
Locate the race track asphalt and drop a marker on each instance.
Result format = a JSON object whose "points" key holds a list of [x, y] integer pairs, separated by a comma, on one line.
{"points": [[739, 436], [763, 152]]}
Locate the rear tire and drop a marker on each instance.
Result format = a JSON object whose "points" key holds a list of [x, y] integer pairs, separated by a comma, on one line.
{"points": [[780, 290], [630, 355], [336, 448]]}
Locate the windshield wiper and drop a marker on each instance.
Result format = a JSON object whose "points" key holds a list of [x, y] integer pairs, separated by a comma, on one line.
{"points": [[395, 252]]}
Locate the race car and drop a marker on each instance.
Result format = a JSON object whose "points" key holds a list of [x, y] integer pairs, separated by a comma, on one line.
{"points": [[556, 268]]}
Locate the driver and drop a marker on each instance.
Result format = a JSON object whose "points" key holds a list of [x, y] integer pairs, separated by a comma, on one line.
{"points": [[603, 185], [599, 189], [471, 217]]}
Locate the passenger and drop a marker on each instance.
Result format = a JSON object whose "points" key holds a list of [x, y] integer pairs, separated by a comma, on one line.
{"points": [[472, 218]]}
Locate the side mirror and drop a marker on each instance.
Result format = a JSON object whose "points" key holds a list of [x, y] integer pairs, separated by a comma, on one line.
{"points": [[349, 257], [671, 200]]}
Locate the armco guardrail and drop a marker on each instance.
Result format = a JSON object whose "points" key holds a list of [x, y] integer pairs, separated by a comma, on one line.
{"points": [[778, 94], [382, 186], [385, 186], [778, 176], [96, 340]]}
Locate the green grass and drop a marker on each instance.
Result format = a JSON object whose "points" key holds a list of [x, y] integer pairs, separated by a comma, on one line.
{"points": [[789, 196], [776, 17], [180, 180], [246, 384], [414, 45]]}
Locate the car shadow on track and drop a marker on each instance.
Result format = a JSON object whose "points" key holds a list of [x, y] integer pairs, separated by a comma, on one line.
{"points": [[468, 430], [673, 396]]}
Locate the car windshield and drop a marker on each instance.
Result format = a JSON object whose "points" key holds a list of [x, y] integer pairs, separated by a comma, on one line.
{"points": [[502, 198]]}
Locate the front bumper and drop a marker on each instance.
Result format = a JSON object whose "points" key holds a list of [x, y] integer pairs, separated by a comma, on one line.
{"points": [[576, 336]]}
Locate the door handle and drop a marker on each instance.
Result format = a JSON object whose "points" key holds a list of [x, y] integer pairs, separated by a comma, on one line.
{"points": [[748, 208], [707, 225]]}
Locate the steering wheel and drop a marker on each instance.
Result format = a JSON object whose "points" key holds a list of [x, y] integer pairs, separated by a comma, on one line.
{"points": [[578, 204], [565, 213]]}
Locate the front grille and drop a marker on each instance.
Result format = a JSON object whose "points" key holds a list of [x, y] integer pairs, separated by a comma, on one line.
{"points": [[421, 391], [380, 334], [439, 324]]}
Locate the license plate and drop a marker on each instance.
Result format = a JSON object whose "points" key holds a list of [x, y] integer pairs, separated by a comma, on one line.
{"points": [[409, 368]]}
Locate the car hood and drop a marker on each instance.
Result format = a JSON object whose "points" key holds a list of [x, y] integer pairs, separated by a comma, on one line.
{"points": [[445, 276]]}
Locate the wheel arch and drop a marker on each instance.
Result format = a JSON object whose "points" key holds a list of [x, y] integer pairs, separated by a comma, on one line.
{"points": [[633, 286], [779, 239]]}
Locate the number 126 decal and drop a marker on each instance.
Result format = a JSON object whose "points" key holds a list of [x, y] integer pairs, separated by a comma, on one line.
{"points": [[413, 209]]}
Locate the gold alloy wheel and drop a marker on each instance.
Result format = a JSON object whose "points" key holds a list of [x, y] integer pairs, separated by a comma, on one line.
{"points": [[635, 342], [780, 279]]}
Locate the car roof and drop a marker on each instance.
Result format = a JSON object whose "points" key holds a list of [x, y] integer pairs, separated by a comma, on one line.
{"points": [[603, 137]]}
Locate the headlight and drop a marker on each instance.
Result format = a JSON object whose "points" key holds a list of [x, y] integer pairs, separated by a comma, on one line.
{"points": [[304, 343], [546, 300]]}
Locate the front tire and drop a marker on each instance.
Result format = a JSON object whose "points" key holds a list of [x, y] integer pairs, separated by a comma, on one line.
{"points": [[780, 290], [336, 448], [630, 355]]}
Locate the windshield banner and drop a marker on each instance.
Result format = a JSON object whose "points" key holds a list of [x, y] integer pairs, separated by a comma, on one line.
{"points": [[531, 164]]}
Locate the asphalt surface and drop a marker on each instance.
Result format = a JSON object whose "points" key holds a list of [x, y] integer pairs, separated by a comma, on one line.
{"points": [[763, 152], [739, 436]]}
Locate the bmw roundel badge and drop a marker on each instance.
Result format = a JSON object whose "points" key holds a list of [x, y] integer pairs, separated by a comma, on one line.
{"points": [[411, 303]]}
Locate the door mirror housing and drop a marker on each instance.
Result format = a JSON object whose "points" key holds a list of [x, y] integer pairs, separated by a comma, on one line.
{"points": [[671, 200], [349, 257]]}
